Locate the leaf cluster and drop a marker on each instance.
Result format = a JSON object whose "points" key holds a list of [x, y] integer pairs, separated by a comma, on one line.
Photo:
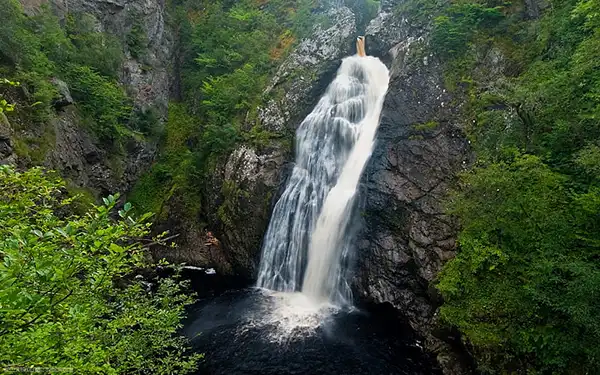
{"points": [[67, 296]]}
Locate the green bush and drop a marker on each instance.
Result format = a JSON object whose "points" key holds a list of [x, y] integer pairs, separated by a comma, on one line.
{"points": [[100, 51], [102, 100], [174, 171], [522, 288], [147, 122], [21, 50], [137, 39], [68, 299], [453, 31], [5, 106]]}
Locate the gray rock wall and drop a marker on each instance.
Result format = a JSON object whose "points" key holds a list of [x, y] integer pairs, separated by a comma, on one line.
{"points": [[146, 77], [406, 237], [245, 186]]}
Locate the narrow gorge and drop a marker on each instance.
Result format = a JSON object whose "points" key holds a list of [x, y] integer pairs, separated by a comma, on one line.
{"points": [[306, 187]]}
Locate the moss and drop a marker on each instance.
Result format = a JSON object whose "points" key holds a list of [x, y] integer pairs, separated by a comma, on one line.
{"points": [[149, 193], [227, 211], [258, 137], [85, 197], [427, 126]]}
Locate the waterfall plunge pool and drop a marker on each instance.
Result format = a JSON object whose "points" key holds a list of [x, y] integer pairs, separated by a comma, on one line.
{"points": [[308, 246], [252, 331]]}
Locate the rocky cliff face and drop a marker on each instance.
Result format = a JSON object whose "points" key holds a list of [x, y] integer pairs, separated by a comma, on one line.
{"points": [[245, 186], [73, 150], [405, 236]]}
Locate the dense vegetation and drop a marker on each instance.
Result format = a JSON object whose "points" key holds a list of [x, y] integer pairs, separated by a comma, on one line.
{"points": [[524, 287], [226, 51], [69, 300], [72, 294], [37, 50]]}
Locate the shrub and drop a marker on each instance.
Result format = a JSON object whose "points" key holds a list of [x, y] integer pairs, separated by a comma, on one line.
{"points": [[68, 299], [101, 99], [100, 51], [453, 31]]}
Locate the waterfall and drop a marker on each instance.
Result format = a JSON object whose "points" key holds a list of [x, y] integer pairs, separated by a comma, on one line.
{"points": [[308, 237]]}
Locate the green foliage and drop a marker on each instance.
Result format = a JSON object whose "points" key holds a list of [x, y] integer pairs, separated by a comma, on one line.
{"points": [[84, 198], [147, 122], [228, 50], [37, 49], [137, 39], [100, 51], [68, 299], [151, 191], [102, 100], [21, 50], [259, 138], [427, 126], [365, 11], [19, 45], [372, 7], [172, 174], [455, 29], [302, 18], [5, 106], [523, 287]]}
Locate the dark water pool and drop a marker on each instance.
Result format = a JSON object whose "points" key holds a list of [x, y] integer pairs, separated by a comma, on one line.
{"points": [[250, 332]]}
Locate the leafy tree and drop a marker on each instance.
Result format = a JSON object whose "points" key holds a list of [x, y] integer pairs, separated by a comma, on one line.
{"points": [[454, 30], [523, 286], [102, 99], [100, 51], [174, 171], [67, 296]]}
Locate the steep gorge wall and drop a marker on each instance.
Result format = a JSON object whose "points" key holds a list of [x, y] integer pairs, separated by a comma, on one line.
{"points": [[405, 236], [73, 149]]}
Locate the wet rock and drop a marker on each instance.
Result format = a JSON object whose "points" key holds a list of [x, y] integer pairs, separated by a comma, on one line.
{"points": [[307, 71], [64, 95], [406, 236], [241, 207]]}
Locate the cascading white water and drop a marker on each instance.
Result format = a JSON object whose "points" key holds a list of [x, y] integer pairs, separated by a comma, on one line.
{"points": [[327, 242], [306, 241]]}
